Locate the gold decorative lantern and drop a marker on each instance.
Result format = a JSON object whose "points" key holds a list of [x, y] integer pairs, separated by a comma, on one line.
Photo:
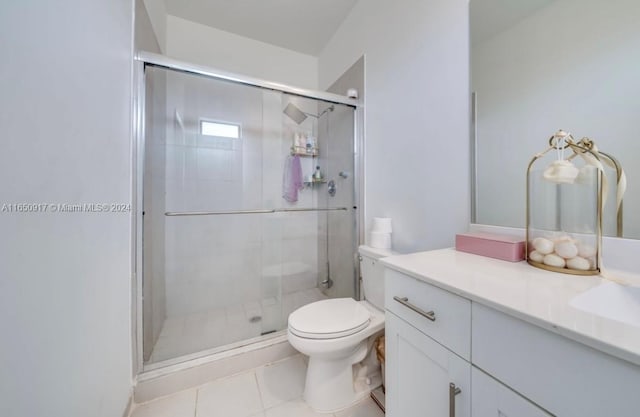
{"points": [[566, 193]]}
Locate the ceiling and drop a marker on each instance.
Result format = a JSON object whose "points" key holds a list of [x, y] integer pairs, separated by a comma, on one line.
{"points": [[304, 26], [490, 17]]}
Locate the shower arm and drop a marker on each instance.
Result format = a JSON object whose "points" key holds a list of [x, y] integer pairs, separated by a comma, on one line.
{"points": [[330, 108]]}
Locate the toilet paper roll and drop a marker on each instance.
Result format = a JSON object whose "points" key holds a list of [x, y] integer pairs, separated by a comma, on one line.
{"points": [[380, 240], [381, 225]]}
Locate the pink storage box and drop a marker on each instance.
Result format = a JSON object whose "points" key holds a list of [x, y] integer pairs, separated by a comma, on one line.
{"points": [[507, 248]]}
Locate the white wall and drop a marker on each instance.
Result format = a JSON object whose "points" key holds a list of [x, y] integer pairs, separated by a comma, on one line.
{"points": [[580, 75], [65, 278], [157, 13], [417, 107], [145, 36], [192, 42]]}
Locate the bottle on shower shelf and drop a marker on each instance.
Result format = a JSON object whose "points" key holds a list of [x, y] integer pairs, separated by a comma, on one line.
{"points": [[299, 142], [310, 142], [317, 175]]}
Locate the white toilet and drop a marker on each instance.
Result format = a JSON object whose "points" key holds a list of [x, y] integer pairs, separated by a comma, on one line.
{"points": [[335, 335]]}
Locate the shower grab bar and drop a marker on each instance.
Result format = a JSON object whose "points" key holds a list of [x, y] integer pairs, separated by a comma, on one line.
{"points": [[265, 211]]}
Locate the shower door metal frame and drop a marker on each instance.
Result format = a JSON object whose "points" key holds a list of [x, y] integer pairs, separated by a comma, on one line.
{"points": [[149, 58], [141, 61]]}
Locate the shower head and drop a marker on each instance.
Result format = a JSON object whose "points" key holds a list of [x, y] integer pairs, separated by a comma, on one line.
{"points": [[299, 116], [295, 113]]}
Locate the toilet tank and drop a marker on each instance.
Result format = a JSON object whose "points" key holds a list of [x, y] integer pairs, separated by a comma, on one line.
{"points": [[372, 273]]}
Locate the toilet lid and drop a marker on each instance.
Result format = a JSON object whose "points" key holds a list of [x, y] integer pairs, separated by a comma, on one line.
{"points": [[328, 319]]}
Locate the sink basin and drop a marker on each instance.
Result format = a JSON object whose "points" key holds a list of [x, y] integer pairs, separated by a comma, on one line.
{"points": [[612, 301]]}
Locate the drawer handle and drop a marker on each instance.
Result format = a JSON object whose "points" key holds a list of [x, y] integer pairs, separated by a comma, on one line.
{"points": [[453, 391], [405, 302]]}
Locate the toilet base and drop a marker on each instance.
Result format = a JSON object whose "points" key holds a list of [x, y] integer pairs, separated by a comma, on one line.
{"points": [[333, 382], [330, 384]]}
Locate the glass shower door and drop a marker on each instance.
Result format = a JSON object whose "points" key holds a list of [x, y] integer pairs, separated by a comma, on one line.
{"points": [[226, 258], [337, 232], [204, 228]]}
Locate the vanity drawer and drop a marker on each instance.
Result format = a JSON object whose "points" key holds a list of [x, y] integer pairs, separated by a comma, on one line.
{"points": [[413, 300]]}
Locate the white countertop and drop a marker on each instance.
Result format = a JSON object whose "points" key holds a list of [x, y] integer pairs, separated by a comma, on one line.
{"points": [[534, 295]]}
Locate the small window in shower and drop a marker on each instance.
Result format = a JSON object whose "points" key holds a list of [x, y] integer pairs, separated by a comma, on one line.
{"points": [[220, 130]]}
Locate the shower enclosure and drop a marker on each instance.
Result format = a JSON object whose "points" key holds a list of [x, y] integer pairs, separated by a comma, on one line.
{"points": [[225, 258]]}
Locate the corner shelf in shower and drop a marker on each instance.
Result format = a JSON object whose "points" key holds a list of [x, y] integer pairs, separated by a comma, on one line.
{"points": [[302, 151], [315, 181]]}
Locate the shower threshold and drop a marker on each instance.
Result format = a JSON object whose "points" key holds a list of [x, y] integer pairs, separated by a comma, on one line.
{"points": [[215, 353]]}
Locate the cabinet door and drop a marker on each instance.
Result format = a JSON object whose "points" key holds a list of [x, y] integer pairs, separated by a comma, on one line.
{"points": [[492, 399], [419, 372]]}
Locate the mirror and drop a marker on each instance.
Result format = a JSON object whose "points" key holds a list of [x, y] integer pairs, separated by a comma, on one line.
{"points": [[542, 65]]}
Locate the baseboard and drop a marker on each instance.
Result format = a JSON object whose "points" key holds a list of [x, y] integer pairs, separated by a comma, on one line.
{"points": [[162, 382]]}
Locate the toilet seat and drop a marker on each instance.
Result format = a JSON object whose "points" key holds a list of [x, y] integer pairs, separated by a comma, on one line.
{"points": [[329, 319]]}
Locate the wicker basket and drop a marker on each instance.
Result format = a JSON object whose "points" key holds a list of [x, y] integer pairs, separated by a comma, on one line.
{"points": [[380, 355]]}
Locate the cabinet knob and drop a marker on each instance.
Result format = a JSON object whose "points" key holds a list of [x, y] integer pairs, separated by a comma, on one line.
{"points": [[453, 391]]}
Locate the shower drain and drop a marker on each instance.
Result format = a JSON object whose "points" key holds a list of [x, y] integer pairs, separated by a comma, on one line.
{"points": [[255, 319]]}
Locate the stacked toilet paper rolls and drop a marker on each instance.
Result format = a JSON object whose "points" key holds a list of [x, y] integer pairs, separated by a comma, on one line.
{"points": [[380, 235]]}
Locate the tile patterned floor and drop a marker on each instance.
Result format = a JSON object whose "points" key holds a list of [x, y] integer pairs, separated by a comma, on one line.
{"points": [[196, 332], [274, 390]]}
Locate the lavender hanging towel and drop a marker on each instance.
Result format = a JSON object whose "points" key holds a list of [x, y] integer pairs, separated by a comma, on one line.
{"points": [[292, 179]]}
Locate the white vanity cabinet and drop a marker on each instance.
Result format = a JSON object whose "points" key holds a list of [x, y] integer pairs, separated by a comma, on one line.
{"points": [[498, 363], [492, 399], [425, 378], [428, 357]]}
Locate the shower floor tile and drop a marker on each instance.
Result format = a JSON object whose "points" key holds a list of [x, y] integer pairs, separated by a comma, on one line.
{"points": [[273, 390], [212, 329]]}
